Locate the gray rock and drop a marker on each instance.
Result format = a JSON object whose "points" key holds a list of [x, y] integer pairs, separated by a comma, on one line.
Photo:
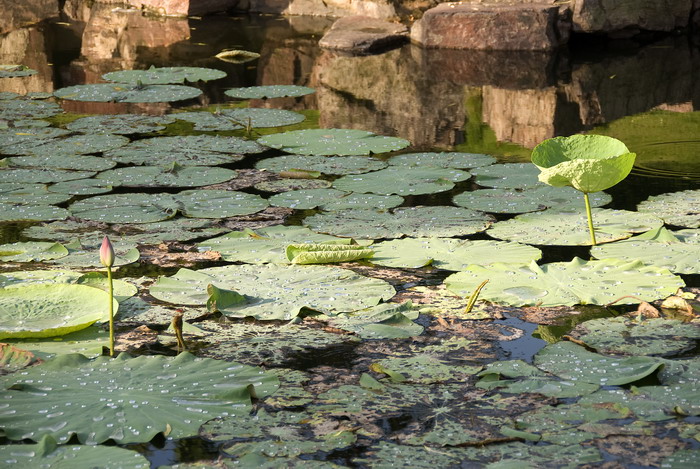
{"points": [[606, 16], [361, 34]]}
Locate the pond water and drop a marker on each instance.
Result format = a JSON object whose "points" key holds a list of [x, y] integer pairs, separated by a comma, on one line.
{"points": [[495, 103]]}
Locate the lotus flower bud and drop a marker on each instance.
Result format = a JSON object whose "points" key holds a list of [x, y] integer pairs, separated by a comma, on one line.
{"points": [[106, 253]]}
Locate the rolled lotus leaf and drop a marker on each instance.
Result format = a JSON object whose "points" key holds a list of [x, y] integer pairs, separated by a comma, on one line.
{"points": [[325, 253]]}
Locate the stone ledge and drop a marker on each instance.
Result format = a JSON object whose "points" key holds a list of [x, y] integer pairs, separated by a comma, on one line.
{"points": [[361, 34]]}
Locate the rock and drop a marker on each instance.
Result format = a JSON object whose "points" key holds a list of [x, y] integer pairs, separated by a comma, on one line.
{"points": [[361, 34], [19, 14], [183, 7], [493, 26], [606, 16], [335, 8]]}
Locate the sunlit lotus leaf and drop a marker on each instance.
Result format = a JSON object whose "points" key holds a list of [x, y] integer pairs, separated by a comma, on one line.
{"points": [[30, 212], [384, 321], [237, 56], [357, 200], [81, 187], [588, 163], [333, 142], [402, 180], [35, 175], [14, 109], [47, 453], [31, 251], [655, 336], [527, 200], [326, 253], [676, 208], [551, 387], [276, 291], [14, 358], [124, 124], [508, 176], [683, 398], [11, 71], [164, 75], [126, 208], [11, 137], [219, 203], [88, 341], [62, 161], [130, 399], [265, 245], [207, 121], [71, 145], [573, 362], [125, 93], [17, 193], [566, 283], [305, 199], [411, 221], [335, 165], [166, 176], [565, 228], [269, 91], [425, 369], [288, 184], [47, 310], [450, 254], [643, 407], [190, 150], [443, 160], [511, 369], [261, 117]]}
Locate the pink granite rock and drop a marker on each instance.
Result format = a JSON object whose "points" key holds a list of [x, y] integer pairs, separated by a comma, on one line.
{"points": [[364, 35]]}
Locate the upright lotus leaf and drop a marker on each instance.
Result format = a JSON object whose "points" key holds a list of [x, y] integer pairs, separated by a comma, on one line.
{"points": [[126, 208], [219, 203], [450, 254], [62, 161], [451, 159], [333, 142], [276, 292], [123, 124], [72, 145], [221, 299], [676, 208], [16, 193], [526, 200], [334, 165], [174, 175], [566, 283], [403, 180], [31, 251], [384, 321], [507, 176], [261, 117], [21, 212], [439, 221], [269, 91], [164, 75], [326, 253], [34, 175], [13, 109], [12, 70], [130, 400], [125, 93], [48, 310], [564, 228]]}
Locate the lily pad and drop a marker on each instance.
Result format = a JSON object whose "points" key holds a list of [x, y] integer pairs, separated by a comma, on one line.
{"points": [[675, 208], [123, 124], [21, 137], [305, 199], [219, 203], [527, 200], [82, 253], [508, 176], [126, 208], [81, 187], [558, 227], [443, 160], [288, 184], [164, 176], [14, 109], [31, 251], [164, 75], [261, 117], [16, 193], [384, 321], [566, 283], [403, 180], [62, 161], [333, 142], [411, 221], [89, 341], [207, 121], [269, 91], [334, 165], [357, 200], [71, 145], [11, 71], [424, 369], [130, 399], [276, 291], [35, 175], [21, 212], [683, 398], [450, 254], [125, 93]]}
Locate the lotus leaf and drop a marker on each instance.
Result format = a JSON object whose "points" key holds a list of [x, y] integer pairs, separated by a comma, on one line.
{"points": [[266, 245], [335, 165], [384, 321], [81, 187], [126, 208], [683, 398], [221, 299], [402, 180], [682, 459], [10, 71], [284, 185], [125, 93], [89, 341], [557, 227], [48, 310], [680, 371], [507, 176], [14, 358], [20, 212], [62, 161], [31, 251], [29, 176], [676, 208], [14, 109], [16, 193], [511, 369], [82, 253], [26, 123], [333, 142], [164, 75], [326, 253], [588, 163], [259, 117], [526, 200], [8, 95], [47, 453], [28, 136], [71, 145], [450, 254], [130, 399], [164, 176], [443, 160], [644, 408], [353, 200], [269, 91], [207, 121], [124, 124], [305, 199], [136, 309], [425, 369], [411, 221], [276, 291], [219, 203], [236, 56]]}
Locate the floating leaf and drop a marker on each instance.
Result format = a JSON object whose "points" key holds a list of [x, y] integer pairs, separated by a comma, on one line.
{"points": [[19, 212], [72, 145], [205, 121], [287, 184], [682, 459], [124, 124], [35, 175], [269, 91], [356, 200], [11, 71], [16, 193], [62, 161], [31, 251], [14, 109], [260, 117], [425, 369], [125, 93], [126, 208], [219, 203], [443, 160], [164, 176], [81, 187], [332, 142], [527, 200], [676, 208], [164, 75], [325, 253], [403, 180], [384, 321], [305, 199], [507, 176], [334, 165], [237, 56]]}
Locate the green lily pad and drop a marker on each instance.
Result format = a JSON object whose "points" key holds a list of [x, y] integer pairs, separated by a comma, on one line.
{"points": [[269, 91], [31, 251], [683, 398], [403, 180], [208, 121], [130, 399], [261, 117], [675, 208], [682, 459], [21, 212], [588, 163], [14, 109], [443, 160], [89, 341], [527, 200], [11, 71], [333, 142], [558, 227], [21, 137], [305, 199], [123, 124], [384, 321], [680, 371], [450, 254], [125, 93], [357, 200], [71, 145], [164, 75], [507, 176], [219, 203], [276, 291], [644, 408], [566, 283], [411, 221], [164, 176], [84, 253], [289, 184], [546, 386], [36, 175], [62, 161], [425, 369], [16, 193], [334, 165], [81, 187], [126, 208]]}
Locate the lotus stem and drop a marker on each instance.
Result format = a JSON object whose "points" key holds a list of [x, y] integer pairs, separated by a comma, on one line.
{"points": [[474, 296], [111, 311], [590, 217]]}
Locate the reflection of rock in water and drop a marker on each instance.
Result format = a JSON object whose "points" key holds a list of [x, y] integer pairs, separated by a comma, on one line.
{"points": [[19, 14], [27, 47]]}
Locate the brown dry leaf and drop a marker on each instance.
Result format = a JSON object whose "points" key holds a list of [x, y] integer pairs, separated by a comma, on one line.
{"points": [[174, 254], [14, 358], [646, 310], [679, 308], [245, 178], [629, 448], [135, 340]]}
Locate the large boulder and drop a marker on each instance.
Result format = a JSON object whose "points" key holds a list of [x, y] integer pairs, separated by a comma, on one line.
{"points": [[492, 26], [360, 34], [184, 7], [606, 16], [335, 8]]}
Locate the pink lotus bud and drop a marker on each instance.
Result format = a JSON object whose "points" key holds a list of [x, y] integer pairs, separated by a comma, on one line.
{"points": [[106, 253]]}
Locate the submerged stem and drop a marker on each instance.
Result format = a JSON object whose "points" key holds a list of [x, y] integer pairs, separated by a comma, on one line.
{"points": [[111, 312], [590, 217]]}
